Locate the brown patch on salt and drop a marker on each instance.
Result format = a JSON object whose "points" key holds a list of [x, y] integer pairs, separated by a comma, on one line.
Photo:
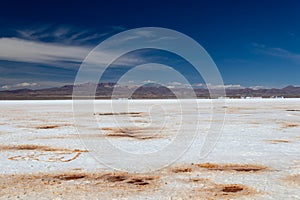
{"points": [[239, 110], [51, 126], [3, 133], [199, 180], [30, 147], [213, 190], [293, 179], [232, 188], [277, 141], [254, 122], [77, 169], [141, 181], [47, 127], [117, 177], [125, 135], [232, 167], [141, 121], [62, 159], [134, 132], [122, 113], [42, 153], [51, 157], [68, 136], [182, 170], [78, 185], [289, 125], [70, 176]]}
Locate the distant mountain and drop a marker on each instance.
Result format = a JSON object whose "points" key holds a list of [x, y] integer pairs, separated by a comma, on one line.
{"points": [[151, 91], [287, 92]]}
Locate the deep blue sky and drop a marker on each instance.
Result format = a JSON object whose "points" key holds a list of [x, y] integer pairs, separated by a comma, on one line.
{"points": [[253, 43]]}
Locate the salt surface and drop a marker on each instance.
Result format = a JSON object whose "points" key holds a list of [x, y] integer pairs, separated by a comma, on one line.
{"points": [[256, 131]]}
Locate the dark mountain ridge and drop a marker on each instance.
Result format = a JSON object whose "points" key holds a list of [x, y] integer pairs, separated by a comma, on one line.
{"points": [[151, 91]]}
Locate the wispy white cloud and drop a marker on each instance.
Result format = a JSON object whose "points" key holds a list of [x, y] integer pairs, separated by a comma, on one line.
{"points": [[175, 83], [34, 46], [229, 86], [63, 34], [19, 85], [149, 81], [257, 87], [19, 50], [276, 52], [211, 86], [145, 33]]}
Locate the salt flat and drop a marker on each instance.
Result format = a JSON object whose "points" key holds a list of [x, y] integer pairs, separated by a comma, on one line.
{"points": [[256, 155]]}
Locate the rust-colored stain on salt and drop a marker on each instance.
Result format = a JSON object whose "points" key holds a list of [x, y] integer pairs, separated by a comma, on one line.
{"points": [[121, 113], [223, 191], [132, 132], [232, 167], [289, 125], [278, 141], [182, 170], [78, 184], [293, 179], [28, 147], [42, 153]]}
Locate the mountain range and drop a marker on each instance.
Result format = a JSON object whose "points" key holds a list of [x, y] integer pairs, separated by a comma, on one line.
{"points": [[151, 91]]}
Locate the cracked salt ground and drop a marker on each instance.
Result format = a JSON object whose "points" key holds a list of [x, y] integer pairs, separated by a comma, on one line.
{"points": [[256, 157]]}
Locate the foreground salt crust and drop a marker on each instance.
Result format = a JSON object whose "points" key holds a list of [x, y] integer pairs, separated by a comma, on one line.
{"points": [[256, 156]]}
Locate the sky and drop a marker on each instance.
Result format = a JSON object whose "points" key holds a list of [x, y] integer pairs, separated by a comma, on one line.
{"points": [[253, 43]]}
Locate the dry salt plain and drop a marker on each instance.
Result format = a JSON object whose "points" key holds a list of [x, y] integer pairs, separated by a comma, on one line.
{"points": [[256, 156]]}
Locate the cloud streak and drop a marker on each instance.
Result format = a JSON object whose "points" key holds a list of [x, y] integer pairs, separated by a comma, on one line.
{"points": [[277, 52], [64, 34], [29, 50], [41, 59], [53, 54], [19, 85], [19, 50]]}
